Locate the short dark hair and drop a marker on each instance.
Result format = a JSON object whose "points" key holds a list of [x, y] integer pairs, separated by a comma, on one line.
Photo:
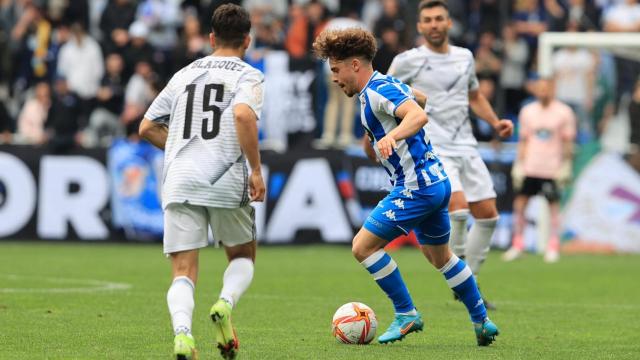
{"points": [[230, 25], [345, 43], [429, 4]]}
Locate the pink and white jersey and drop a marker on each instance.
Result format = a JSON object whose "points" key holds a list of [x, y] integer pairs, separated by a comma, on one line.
{"points": [[545, 129]]}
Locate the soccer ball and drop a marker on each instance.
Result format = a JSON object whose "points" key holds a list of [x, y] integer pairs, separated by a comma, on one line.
{"points": [[354, 323]]}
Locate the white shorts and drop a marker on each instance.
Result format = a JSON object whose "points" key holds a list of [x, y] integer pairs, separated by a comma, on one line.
{"points": [[470, 175], [185, 226]]}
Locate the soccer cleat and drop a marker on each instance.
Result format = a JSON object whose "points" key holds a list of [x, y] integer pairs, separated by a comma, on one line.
{"points": [[512, 254], [225, 333], [486, 332], [551, 257], [184, 347], [401, 326]]}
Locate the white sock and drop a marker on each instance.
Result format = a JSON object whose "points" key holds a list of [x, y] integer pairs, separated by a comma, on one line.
{"points": [[458, 235], [479, 242], [236, 280], [180, 301]]}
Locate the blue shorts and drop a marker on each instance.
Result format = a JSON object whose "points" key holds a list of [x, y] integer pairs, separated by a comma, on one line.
{"points": [[423, 211]]}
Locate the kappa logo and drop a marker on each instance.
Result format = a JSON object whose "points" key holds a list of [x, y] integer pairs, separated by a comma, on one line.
{"points": [[407, 193], [390, 214], [399, 203]]}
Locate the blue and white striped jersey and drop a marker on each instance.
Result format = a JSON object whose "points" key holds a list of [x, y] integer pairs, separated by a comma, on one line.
{"points": [[413, 165]]}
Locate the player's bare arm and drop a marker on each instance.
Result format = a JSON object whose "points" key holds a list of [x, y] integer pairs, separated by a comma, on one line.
{"points": [[481, 107], [153, 132], [368, 149], [420, 97], [247, 130], [413, 119]]}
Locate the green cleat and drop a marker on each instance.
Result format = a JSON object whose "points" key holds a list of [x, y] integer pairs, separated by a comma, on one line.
{"points": [[401, 326], [184, 347], [225, 333], [486, 332]]}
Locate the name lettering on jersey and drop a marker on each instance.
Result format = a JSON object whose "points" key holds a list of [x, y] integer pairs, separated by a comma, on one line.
{"points": [[390, 214], [407, 193], [399, 203], [217, 64]]}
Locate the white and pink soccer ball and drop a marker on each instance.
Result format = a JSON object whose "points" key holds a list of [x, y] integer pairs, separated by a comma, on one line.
{"points": [[354, 323]]}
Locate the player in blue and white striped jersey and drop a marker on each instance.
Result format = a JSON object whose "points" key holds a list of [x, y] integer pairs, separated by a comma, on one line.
{"points": [[394, 121]]}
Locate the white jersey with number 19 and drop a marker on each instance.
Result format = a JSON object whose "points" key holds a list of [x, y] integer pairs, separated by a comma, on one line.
{"points": [[203, 163]]}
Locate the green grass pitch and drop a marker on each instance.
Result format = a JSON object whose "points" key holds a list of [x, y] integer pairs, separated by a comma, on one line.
{"points": [[584, 307]]}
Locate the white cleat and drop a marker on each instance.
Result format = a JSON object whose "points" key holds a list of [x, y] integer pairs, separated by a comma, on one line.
{"points": [[551, 257], [511, 254]]}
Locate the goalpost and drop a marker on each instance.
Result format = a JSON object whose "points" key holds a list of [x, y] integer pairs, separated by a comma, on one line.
{"points": [[625, 45]]}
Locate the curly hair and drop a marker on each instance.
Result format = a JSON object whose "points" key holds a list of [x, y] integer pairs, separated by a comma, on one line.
{"points": [[230, 23], [345, 43]]}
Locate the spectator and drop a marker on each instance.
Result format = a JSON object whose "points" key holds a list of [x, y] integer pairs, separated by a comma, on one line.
{"points": [[277, 8], [193, 45], [339, 108], [6, 122], [389, 48], [530, 20], [104, 121], [269, 31], [115, 22], [624, 17], [62, 120], [33, 116], [30, 42], [77, 11], [139, 48], [306, 23], [81, 64], [139, 93], [391, 19], [574, 72], [487, 57], [162, 18], [585, 14], [513, 72]]}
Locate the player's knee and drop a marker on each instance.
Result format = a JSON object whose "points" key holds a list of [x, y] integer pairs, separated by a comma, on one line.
{"points": [[359, 248]]}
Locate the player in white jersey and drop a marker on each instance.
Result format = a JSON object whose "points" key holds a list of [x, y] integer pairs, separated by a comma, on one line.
{"points": [[206, 121], [393, 119], [447, 74]]}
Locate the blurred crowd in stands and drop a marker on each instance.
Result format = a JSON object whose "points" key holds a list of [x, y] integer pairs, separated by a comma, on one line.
{"points": [[81, 72]]}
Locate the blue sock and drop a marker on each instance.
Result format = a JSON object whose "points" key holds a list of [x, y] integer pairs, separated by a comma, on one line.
{"points": [[461, 280], [386, 273]]}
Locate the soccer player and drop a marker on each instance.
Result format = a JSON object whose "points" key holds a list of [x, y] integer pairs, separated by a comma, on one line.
{"points": [[547, 132], [394, 122], [447, 74], [205, 120]]}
